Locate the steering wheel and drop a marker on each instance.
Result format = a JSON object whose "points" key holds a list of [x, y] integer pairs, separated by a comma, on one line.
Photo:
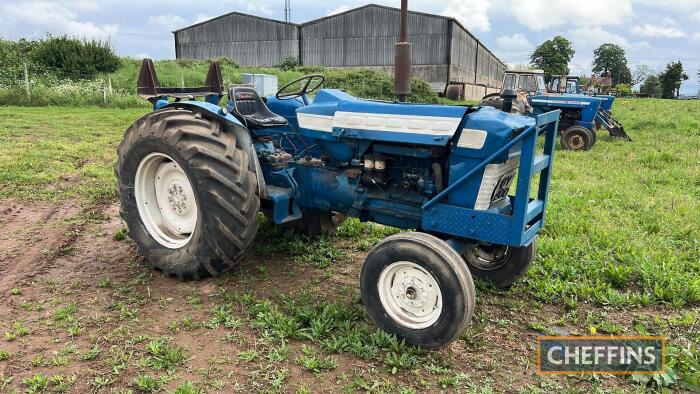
{"points": [[307, 83]]}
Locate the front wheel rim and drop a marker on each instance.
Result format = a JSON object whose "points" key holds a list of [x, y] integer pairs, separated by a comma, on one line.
{"points": [[576, 141], [165, 200], [410, 295], [488, 257]]}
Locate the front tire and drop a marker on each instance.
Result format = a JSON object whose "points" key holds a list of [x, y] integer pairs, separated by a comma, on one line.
{"points": [[417, 287], [201, 188], [577, 138], [501, 265]]}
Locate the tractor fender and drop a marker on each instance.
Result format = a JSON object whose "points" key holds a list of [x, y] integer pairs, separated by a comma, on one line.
{"points": [[232, 124]]}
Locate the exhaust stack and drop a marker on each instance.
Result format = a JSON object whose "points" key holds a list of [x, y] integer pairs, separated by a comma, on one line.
{"points": [[402, 60]]}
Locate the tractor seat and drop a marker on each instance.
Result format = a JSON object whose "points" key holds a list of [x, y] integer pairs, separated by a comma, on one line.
{"points": [[248, 105]]}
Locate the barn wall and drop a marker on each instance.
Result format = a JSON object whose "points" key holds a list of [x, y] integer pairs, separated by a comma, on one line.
{"points": [[247, 40], [443, 51], [367, 36]]}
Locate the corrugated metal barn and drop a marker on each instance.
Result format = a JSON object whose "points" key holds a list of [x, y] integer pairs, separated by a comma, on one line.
{"points": [[444, 52], [246, 39]]}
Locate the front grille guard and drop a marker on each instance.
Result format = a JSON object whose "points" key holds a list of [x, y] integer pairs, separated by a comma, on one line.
{"points": [[528, 215]]}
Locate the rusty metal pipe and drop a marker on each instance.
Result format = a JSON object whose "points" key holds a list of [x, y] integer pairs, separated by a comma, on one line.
{"points": [[402, 59], [403, 35]]}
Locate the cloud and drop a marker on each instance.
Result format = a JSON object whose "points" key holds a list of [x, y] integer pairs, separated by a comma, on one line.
{"points": [[259, 8], [696, 16], [695, 37], [542, 14], [473, 14], [49, 15], [202, 17], [514, 49], [592, 37], [168, 21], [338, 10], [676, 5], [666, 29], [515, 42]]}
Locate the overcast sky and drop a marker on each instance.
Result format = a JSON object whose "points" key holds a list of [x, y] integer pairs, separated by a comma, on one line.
{"points": [[652, 32]]}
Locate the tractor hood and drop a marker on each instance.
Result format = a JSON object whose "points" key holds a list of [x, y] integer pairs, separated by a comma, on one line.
{"points": [[567, 100], [338, 114]]}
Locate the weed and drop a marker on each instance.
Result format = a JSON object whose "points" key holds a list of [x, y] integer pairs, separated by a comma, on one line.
{"points": [[188, 387], [311, 362], [17, 330], [399, 361], [163, 355], [37, 383], [105, 283], [101, 381], [16, 291], [66, 313], [248, 355], [91, 354], [4, 355], [223, 315], [147, 383], [121, 234]]}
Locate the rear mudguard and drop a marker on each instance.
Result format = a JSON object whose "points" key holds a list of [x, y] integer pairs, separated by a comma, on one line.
{"points": [[242, 134]]}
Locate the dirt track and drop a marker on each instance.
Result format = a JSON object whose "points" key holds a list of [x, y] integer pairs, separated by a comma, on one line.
{"points": [[73, 287]]}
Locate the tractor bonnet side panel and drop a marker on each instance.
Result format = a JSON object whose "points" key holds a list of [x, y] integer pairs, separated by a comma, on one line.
{"points": [[472, 145]]}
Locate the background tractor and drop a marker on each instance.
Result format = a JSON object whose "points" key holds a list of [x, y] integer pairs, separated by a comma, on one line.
{"points": [[581, 115]]}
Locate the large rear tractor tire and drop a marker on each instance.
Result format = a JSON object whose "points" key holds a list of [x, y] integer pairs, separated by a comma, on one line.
{"points": [[187, 193], [499, 264], [417, 287], [577, 138]]}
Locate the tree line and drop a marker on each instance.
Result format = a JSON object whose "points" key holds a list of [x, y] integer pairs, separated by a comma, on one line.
{"points": [[609, 61]]}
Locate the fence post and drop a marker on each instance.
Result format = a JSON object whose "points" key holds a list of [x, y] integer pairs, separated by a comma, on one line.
{"points": [[109, 84], [26, 83], [182, 78]]}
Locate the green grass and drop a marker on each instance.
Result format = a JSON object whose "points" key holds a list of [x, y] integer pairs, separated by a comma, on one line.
{"points": [[624, 218], [52, 153]]}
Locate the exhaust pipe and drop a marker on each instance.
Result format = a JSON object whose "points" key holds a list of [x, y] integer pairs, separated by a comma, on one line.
{"points": [[402, 59], [508, 95]]}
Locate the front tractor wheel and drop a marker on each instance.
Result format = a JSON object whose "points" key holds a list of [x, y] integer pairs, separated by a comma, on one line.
{"points": [[577, 138], [187, 193], [501, 265], [417, 287]]}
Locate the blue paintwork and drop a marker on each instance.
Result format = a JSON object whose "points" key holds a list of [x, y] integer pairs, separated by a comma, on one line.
{"points": [[405, 194]]}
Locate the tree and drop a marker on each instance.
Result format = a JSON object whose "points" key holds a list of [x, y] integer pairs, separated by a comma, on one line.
{"points": [[651, 86], [553, 56], [640, 73], [609, 61], [623, 89], [671, 79]]}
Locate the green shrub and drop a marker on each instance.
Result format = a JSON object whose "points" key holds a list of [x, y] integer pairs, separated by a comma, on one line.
{"points": [[289, 63], [74, 58]]}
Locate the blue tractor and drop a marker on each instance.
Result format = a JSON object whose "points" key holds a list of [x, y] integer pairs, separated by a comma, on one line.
{"points": [[193, 175], [581, 115], [569, 85]]}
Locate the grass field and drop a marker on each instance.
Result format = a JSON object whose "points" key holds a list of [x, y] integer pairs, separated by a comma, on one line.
{"points": [[620, 254]]}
